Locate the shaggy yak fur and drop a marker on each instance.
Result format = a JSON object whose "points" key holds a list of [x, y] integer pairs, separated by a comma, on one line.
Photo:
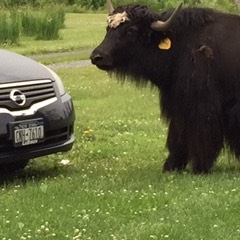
{"points": [[195, 64]]}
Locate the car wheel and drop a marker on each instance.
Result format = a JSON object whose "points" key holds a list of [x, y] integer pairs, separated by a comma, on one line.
{"points": [[14, 166]]}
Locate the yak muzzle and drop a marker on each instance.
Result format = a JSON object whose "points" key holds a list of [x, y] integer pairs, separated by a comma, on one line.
{"points": [[101, 60]]}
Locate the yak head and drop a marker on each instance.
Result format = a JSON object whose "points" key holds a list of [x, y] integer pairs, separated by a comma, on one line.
{"points": [[133, 31]]}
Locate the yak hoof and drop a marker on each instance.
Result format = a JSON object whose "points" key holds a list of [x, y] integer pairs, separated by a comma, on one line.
{"points": [[173, 165], [202, 171]]}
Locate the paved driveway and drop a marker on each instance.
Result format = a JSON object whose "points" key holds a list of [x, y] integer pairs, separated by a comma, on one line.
{"points": [[71, 64]]}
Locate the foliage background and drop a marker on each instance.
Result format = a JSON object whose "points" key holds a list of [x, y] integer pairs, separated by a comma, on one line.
{"points": [[229, 5]]}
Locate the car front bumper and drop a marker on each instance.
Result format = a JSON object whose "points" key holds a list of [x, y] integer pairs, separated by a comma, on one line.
{"points": [[58, 117]]}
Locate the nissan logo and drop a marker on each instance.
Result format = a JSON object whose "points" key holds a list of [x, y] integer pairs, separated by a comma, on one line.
{"points": [[18, 97]]}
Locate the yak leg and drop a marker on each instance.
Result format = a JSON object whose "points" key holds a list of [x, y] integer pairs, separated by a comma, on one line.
{"points": [[177, 159], [232, 131], [204, 137], [205, 148], [204, 127]]}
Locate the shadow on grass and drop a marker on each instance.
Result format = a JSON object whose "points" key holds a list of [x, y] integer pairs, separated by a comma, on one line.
{"points": [[132, 174], [33, 173], [154, 172]]}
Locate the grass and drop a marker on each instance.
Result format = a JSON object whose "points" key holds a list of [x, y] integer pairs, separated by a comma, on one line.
{"points": [[81, 31], [113, 187], [10, 27], [42, 25]]}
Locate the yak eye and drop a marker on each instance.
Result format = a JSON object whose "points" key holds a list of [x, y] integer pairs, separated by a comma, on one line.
{"points": [[132, 31]]}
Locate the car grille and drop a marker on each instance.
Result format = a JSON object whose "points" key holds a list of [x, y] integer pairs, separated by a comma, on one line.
{"points": [[34, 91]]}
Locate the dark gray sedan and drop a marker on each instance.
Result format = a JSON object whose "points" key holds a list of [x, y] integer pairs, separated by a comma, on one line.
{"points": [[36, 114]]}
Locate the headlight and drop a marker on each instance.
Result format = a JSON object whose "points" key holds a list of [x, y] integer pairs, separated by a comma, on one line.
{"points": [[58, 81]]}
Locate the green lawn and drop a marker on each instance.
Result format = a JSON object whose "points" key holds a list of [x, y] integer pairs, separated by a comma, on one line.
{"points": [[113, 187]]}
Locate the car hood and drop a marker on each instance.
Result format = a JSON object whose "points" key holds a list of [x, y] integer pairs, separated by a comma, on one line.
{"points": [[15, 67]]}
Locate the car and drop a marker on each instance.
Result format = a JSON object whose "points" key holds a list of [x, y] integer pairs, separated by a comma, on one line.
{"points": [[36, 113]]}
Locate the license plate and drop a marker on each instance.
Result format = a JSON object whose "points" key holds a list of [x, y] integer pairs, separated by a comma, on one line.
{"points": [[27, 132]]}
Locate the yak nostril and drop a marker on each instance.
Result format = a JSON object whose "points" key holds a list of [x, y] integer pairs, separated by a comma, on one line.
{"points": [[101, 60], [96, 58]]}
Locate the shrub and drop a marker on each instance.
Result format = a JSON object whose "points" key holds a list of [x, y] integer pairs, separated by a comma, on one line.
{"points": [[43, 25], [29, 23], [9, 27], [49, 24]]}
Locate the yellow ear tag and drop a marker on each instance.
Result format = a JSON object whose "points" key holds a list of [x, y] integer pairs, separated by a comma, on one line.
{"points": [[165, 44]]}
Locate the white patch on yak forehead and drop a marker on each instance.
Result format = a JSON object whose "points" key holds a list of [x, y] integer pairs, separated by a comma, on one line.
{"points": [[115, 20]]}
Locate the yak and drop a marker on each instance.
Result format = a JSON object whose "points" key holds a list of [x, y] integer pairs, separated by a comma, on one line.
{"points": [[192, 56]]}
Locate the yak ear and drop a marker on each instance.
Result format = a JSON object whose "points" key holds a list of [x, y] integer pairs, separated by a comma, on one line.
{"points": [[110, 6], [161, 26]]}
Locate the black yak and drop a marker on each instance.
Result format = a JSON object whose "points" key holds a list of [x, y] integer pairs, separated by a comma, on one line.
{"points": [[192, 55]]}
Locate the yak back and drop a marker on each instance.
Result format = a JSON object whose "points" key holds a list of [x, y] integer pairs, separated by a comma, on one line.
{"points": [[188, 17]]}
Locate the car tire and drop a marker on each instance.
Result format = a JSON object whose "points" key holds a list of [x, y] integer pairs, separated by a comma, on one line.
{"points": [[14, 166]]}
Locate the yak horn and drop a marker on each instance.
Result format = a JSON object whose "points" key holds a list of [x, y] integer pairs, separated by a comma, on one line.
{"points": [[161, 26], [110, 7]]}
